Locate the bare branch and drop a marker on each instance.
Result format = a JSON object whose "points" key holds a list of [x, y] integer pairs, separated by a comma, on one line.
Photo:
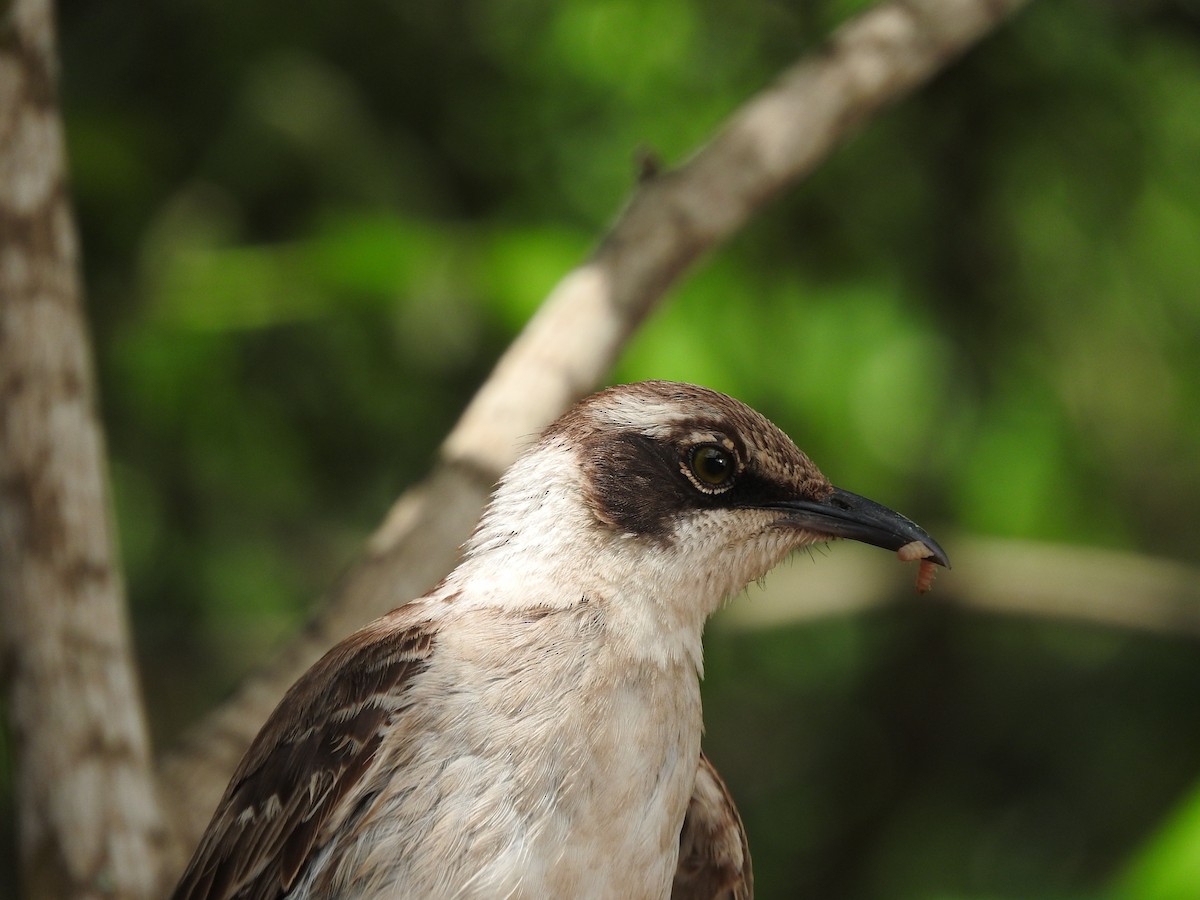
{"points": [[90, 825], [774, 139], [1087, 585]]}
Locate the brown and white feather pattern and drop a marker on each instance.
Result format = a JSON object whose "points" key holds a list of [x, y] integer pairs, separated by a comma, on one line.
{"points": [[306, 766], [714, 856], [449, 766]]}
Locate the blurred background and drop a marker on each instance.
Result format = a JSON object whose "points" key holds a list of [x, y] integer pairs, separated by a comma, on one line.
{"points": [[310, 228]]}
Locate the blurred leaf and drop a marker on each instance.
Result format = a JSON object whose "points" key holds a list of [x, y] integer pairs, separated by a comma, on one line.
{"points": [[1167, 867]]}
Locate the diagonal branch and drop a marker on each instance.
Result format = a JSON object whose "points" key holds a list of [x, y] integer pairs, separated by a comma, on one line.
{"points": [[776, 138]]}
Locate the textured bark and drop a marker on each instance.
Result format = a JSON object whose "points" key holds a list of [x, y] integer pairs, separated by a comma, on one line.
{"points": [[89, 822], [775, 139]]}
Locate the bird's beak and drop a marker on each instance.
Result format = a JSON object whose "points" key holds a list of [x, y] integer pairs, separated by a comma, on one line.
{"points": [[846, 515]]}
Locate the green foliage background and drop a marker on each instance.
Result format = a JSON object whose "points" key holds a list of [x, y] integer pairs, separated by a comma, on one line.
{"points": [[310, 228]]}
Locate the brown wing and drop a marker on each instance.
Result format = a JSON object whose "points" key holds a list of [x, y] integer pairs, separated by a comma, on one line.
{"points": [[309, 755], [714, 858]]}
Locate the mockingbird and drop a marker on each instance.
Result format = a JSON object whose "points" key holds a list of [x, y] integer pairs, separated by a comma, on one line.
{"points": [[531, 727]]}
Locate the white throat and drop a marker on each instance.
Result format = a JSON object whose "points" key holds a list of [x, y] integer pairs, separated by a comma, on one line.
{"points": [[540, 546]]}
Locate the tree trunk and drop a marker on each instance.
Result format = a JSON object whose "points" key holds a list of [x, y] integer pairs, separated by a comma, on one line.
{"points": [[89, 821]]}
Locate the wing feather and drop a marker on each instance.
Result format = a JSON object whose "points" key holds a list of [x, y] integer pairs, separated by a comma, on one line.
{"points": [[305, 763], [714, 858]]}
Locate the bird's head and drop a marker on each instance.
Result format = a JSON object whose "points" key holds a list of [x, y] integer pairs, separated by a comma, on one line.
{"points": [[683, 489]]}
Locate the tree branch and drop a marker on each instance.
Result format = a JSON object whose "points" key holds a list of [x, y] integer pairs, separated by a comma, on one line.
{"points": [[1106, 588], [90, 825], [777, 137]]}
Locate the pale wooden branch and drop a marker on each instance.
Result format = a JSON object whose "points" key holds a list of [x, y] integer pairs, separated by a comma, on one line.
{"points": [[1080, 585], [89, 821], [776, 138]]}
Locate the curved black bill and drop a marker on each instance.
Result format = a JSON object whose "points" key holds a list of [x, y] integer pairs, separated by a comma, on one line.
{"points": [[846, 515]]}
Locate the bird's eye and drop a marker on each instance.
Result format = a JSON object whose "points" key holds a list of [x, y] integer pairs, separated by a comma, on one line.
{"points": [[712, 466]]}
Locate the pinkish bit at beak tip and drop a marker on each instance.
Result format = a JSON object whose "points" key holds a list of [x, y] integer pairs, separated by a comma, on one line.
{"points": [[916, 550]]}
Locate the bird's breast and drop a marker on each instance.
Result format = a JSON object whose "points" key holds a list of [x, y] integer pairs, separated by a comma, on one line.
{"points": [[629, 804], [538, 762]]}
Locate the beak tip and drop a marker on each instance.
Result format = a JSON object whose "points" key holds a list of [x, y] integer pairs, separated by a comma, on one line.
{"points": [[924, 548], [939, 556]]}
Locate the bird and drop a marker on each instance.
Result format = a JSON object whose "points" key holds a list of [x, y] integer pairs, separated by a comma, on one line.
{"points": [[531, 727]]}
